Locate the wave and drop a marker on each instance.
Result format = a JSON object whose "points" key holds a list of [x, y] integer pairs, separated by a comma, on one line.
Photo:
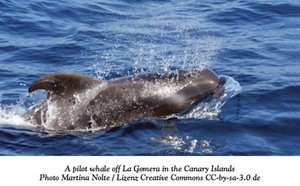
{"points": [[255, 12], [280, 9]]}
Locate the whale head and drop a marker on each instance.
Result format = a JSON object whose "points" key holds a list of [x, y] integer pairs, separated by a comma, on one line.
{"points": [[198, 86]]}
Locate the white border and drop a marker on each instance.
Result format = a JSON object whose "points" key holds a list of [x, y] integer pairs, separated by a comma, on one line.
{"points": [[26, 170]]}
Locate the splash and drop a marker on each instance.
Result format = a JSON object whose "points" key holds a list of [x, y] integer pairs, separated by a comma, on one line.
{"points": [[11, 115], [154, 40], [187, 144], [190, 145]]}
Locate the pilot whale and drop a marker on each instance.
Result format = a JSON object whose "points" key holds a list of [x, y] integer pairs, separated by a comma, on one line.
{"points": [[79, 102]]}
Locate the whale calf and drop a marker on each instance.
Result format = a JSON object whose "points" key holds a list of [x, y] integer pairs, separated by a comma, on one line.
{"points": [[80, 102]]}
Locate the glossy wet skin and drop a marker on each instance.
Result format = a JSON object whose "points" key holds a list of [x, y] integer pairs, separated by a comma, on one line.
{"points": [[79, 102]]}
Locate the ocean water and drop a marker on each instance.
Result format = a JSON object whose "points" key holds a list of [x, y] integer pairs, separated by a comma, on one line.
{"points": [[255, 44]]}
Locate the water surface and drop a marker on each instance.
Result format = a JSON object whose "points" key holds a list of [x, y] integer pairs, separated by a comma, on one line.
{"points": [[256, 43]]}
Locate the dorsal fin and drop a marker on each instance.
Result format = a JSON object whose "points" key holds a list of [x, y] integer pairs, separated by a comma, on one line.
{"points": [[61, 83]]}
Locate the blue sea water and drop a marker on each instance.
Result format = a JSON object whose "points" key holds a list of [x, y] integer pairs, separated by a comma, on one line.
{"points": [[254, 43]]}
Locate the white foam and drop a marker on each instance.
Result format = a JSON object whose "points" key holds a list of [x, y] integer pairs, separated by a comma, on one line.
{"points": [[11, 115]]}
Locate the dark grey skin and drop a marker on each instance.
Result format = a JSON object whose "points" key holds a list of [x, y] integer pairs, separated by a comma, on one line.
{"points": [[79, 102]]}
